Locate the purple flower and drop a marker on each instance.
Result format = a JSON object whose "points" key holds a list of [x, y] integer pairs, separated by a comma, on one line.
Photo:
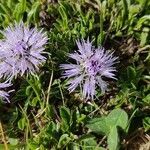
{"points": [[3, 94], [21, 50], [91, 65]]}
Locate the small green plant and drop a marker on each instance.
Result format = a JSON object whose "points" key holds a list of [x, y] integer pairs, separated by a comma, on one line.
{"points": [[42, 114], [109, 126]]}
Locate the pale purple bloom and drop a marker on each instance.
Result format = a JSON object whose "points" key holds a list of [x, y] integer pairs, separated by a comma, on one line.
{"points": [[3, 94], [91, 65], [21, 50]]}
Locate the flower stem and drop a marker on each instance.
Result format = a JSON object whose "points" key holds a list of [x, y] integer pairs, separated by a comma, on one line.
{"points": [[3, 136], [49, 88]]}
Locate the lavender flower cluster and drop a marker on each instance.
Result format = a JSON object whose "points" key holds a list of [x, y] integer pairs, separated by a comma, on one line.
{"points": [[21, 52], [92, 64]]}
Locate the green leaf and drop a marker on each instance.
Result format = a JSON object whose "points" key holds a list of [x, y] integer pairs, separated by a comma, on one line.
{"points": [[113, 139], [4, 9], [146, 123], [147, 99], [99, 125], [28, 90], [117, 118], [144, 36], [32, 145], [34, 12], [142, 20], [65, 114], [103, 125], [125, 12], [51, 128], [34, 101], [10, 3], [64, 140], [64, 21], [21, 123], [23, 5], [131, 73], [89, 143], [108, 126], [62, 12], [13, 141], [66, 118], [19, 10]]}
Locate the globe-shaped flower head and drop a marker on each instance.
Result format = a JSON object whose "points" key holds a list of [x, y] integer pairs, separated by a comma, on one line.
{"points": [[21, 50], [91, 65]]}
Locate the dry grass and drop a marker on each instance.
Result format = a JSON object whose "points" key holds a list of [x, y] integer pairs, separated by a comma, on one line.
{"points": [[138, 141]]}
